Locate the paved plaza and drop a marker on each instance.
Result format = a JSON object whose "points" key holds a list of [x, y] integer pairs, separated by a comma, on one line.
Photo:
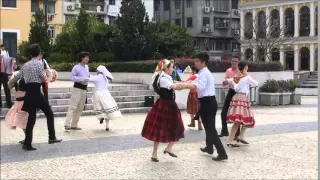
{"points": [[283, 145]]}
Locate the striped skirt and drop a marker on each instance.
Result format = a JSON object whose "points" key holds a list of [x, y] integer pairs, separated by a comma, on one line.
{"points": [[240, 111], [105, 106]]}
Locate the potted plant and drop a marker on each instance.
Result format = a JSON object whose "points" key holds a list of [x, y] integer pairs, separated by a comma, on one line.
{"points": [[284, 89], [269, 93], [295, 97]]}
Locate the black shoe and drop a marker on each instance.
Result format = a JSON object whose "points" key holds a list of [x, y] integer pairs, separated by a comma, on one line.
{"points": [[52, 141], [21, 142], [242, 141], [67, 127], [233, 145], [101, 120], [206, 150], [28, 148], [170, 153], [154, 159], [220, 158], [196, 118], [75, 128], [107, 129]]}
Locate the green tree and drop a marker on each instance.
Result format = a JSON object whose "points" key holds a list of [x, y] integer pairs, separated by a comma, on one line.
{"points": [[130, 43], [39, 31]]}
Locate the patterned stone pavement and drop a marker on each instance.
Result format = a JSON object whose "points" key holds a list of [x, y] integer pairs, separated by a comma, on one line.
{"points": [[283, 145]]}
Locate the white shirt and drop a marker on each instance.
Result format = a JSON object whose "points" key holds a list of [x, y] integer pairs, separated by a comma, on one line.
{"points": [[4, 53], [244, 84], [100, 82], [205, 83], [166, 81]]}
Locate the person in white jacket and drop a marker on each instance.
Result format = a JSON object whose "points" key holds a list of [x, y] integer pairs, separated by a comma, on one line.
{"points": [[104, 105], [239, 112]]}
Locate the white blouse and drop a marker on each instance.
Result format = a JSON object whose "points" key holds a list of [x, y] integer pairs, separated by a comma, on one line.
{"points": [[166, 81], [243, 86], [100, 82]]}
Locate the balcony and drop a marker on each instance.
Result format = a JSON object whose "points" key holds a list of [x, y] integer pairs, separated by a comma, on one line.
{"points": [[97, 6]]}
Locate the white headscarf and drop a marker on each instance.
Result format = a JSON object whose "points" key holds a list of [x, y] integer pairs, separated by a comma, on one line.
{"points": [[104, 71]]}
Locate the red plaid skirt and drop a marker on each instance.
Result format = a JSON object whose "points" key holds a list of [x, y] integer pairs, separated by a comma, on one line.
{"points": [[163, 123], [240, 111], [193, 103]]}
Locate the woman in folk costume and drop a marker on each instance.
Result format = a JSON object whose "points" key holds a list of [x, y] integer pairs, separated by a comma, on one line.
{"points": [[163, 123], [193, 103], [105, 106], [240, 112], [15, 116]]}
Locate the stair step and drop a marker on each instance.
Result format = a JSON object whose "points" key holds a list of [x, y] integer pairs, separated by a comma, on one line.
{"points": [[310, 82], [308, 86], [90, 112]]}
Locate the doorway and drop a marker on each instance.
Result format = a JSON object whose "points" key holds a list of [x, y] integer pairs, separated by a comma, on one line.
{"points": [[10, 43]]}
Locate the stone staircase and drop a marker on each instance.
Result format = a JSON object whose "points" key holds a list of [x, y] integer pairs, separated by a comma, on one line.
{"points": [[129, 97], [309, 87]]}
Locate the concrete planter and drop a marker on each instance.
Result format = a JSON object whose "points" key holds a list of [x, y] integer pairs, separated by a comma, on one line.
{"points": [[295, 98], [269, 99], [284, 98]]}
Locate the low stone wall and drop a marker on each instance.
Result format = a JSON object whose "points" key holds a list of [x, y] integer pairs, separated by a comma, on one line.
{"points": [[181, 96]]}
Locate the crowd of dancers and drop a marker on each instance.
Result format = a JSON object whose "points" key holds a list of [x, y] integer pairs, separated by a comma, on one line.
{"points": [[163, 123]]}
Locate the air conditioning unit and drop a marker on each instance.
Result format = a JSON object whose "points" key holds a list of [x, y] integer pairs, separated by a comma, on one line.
{"points": [[206, 29], [209, 30], [207, 25], [236, 32], [178, 11], [78, 5], [212, 8], [236, 12], [206, 9], [70, 7]]}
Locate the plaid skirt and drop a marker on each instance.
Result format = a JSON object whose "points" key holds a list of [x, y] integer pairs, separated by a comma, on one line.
{"points": [[163, 123], [240, 111], [193, 103]]}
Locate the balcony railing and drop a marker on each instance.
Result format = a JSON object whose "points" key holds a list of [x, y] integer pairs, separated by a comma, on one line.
{"points": [[304, 32]]}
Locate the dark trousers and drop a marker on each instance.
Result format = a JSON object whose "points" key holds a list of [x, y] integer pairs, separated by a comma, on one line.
{"points": [[4, 79], [35, 100], [208, 110], [224, 112], [45, 91]]}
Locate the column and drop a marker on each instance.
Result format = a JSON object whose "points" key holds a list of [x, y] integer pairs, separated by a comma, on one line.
{"points": [[255, 29], [267, 21], [282, 28], [254, 54], [312, 19], [296, 20], [281, 55], [242, 27], [296, 57], [242, 52], [312, 60]]}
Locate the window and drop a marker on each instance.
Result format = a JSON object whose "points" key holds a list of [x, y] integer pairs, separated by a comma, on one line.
{"points": [[51, 32], [235, 24], [112, 20], [221, 5], [234, 4], [34, 5], [207, 3], [166, 5], [178, 22], [51, 7], [206, 21], [177, 4], [157, 16], [112, 2], [9, 3], [189, 22], [189, 3], [219, 45], [221, 23]]}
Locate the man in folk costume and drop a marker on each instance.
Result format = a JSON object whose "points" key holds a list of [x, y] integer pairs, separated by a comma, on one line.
{"points": [[230, 73], [208, 105], [7, 65], [33, 74], [80, 75], [105, 106]]}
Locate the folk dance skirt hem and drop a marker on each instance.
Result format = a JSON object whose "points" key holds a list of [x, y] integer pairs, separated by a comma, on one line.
{"points": [[240, 111], [193, 104], [105, 106], [163, 122], [16, 117]]}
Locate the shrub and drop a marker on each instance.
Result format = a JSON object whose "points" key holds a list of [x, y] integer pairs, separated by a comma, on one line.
{"points": [[292, 85], [101, 57], [270, 86], [284, 86], [59, 58]]}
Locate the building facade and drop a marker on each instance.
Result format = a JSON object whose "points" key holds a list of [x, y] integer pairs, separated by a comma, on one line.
{"points": [[212, 23], [16, 16], [300, 21]]}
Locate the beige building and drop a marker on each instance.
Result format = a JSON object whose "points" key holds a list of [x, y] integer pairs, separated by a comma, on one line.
{"points": [[300, 19]]}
